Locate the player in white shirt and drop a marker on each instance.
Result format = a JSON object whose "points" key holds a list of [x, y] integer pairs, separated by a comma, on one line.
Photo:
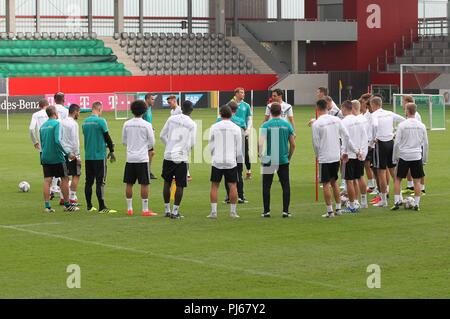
{"points": [[410, 184], [37, 119], [138, 137], [383, 138], [353, 169], [178, 134], [327, 132], [371, 176], [410, 153], [71, 143], [332, 108], [287, 112], [225, 144], [175, 109], [59, 104]]}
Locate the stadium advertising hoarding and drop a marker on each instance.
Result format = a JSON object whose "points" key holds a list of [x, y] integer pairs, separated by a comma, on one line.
{"points": [[20, 104]]}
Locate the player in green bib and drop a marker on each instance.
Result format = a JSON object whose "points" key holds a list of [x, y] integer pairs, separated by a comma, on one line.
{"points": [[244, 111], [53, 159], [240, 182], [148, 116], [96, 138], [278, 137]]}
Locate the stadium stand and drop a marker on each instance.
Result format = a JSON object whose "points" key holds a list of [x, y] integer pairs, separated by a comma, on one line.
{"points": [[176, 54], [56, 54], [429, 50]]}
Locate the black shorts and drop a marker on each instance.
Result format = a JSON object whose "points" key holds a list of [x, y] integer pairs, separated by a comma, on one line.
{"points": [[73, 167], [136, 171], [382, 155], [328, 171], [353, 169], [55, 170], [416, 168], [178, 171], [231, 175], [95, 171]]}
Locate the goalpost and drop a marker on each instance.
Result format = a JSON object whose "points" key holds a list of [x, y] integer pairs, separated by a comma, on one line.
{"points": [[4, 93], [121, 104], [420, 79]]}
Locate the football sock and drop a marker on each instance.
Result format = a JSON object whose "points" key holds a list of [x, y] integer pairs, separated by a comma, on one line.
{"points": [[338, 206], [397, 199], [417, 200], [422, 187], [370, 183], [410, 184], [233, 208], [73, 195], [384, 197], [175, 209], [329, 208], [214, 208], [47, 205], [167, 207], [145, 205], [364, 199], [130, 203]]}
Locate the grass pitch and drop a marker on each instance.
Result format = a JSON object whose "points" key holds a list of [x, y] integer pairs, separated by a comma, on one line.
{"points": [[136, 257]]}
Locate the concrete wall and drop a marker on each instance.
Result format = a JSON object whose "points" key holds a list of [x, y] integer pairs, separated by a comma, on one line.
{"points": [[305, 86]]}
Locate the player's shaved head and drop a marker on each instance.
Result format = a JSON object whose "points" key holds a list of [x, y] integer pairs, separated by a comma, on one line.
{"points": [[97, 106], [43, 104], [347, 105], [275, 109], [411, 109], [59, 98], [356, 106], [323, 90], [51, 111], [376, 101]]}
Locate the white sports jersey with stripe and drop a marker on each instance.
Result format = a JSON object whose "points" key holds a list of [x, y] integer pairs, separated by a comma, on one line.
{"points": [[327, 132], [411, 141], [286, 111], [138, 137], [383, 124], [178, 134], [357, 130]]}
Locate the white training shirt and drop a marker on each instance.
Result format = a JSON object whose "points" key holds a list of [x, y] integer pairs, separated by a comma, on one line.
{"points": [[286, 111], [418, 117], [327, 131], [225, 144], [335, 111], [176, 111], [357, 130], [383, 124], [63, 113], [138, 137], [411, 141], [178, 134], [70, 136], [37, 119]]}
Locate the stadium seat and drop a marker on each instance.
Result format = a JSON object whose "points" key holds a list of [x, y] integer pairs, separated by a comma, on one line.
{"points": [[139, 36], [77, 35], [147, 36], [116, 36], [11, 35], [3, 36], [20, 36]]}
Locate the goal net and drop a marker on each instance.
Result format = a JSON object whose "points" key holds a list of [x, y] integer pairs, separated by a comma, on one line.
{"points": [[430, 107], [122, 102], [430, 86]]}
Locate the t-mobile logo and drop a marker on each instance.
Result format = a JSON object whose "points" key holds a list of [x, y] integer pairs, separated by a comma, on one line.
{"points": [[374, 18]]}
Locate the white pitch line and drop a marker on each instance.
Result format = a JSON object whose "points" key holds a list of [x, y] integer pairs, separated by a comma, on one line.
{"points": [[177, 258], [37, 224]]}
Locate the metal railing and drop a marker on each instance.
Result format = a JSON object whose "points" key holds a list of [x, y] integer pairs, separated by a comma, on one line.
{"points": [[434, 27], [397, 49]]}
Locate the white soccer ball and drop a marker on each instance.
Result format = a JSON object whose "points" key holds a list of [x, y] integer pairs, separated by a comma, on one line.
{"points": [[357, 204], [24, 187], [409, 202]]}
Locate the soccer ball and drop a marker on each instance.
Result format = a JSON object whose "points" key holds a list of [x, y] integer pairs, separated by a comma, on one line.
{"points": [[24, 187], [357, 204], [409, 202]]}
